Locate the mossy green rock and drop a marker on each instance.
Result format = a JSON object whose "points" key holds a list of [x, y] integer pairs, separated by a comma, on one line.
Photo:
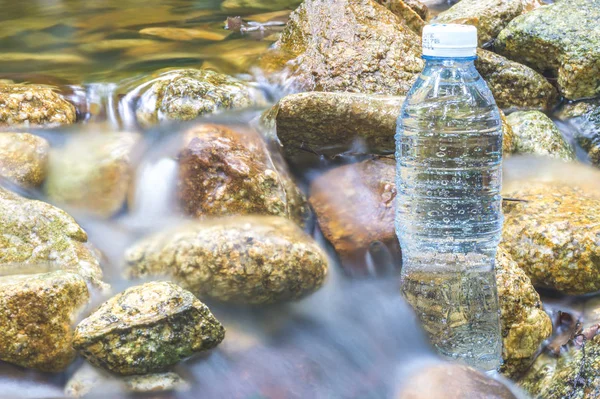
{"points": [[346, 45], [92, 172], [536, 134], [23, 158], [574, 374], [241, 259], [37, 313], [553, 233], [147, 328], [489, 16], [33, 105], [562, 39], [525, 325], [36, 235], [515, 85], [584, 117], [185, 94]]}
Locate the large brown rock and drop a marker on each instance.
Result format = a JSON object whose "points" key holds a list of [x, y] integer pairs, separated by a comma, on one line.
{"points": [[23, 158], [230, 171], [347, 45]]}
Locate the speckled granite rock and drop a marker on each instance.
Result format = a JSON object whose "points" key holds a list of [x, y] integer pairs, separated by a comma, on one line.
{"points": [[23, 158], [347, 45], [525, 325], [355, 207], [508, 137], [92, 172], [251, 259], [88, 379], [37, 313], [536, 134], [553, 234], [33, 105], [489, 16], [184, 94], [419, 7], [574, 374], [514, 85], [448, 380], [36, 234], [584, 117], [411, 16], [147, 328], [230, 171], [563, 39]]}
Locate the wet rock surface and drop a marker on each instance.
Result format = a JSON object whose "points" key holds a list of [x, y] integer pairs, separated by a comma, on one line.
{"points": [[37, 313], [36, 235], [514, 85], [453, 381], [184, 94], [33, 105], [355, 207], [552, 232], [258, 5], [411, 14], [368, 48], [227, 171], [244, 260], [23, 158], [147, 328], [584, 117], [525, 325], [536, 134], [489, 16], [92, 172], [561, 39], [89, 380]]}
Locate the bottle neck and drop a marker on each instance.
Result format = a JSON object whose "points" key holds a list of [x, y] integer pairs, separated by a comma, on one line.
{"points": [[449, 61]]}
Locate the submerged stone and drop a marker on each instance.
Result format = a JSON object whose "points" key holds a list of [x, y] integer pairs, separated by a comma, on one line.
{"points": [[562, 39], [525, 325], [584, 117], [514, 85], [33, 105], [23, 158], [37, 235], [242, 259], [347, 45], [258, 5], [184, 94], [489, 16], [536, 134], [92, 172], [37, 313], [230, 171], [146, 329], [552, 232]]}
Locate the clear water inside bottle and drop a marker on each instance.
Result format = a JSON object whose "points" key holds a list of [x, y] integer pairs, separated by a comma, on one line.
{"points": [[449, 216]]}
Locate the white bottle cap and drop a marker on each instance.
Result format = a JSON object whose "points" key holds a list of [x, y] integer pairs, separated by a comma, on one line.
{"points": [[449, 40]]}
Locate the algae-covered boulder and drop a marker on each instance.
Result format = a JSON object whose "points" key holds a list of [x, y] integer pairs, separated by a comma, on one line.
{"points": [[92, 172], [33, 105], [552, 232], [525, 325], [37, 313], [247, 260], [230, 171], [561, 39], [37, 235], [489, 16], [514, 85], [89, 379], [575, 373], [449, 380], [147, 328], [23, 158], [355, 207], [347, 45], [185, 94], [536, 134], [584, 118]]}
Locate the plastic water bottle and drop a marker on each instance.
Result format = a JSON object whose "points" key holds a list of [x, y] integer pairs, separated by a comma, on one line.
{"points": [[449, 215]]}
